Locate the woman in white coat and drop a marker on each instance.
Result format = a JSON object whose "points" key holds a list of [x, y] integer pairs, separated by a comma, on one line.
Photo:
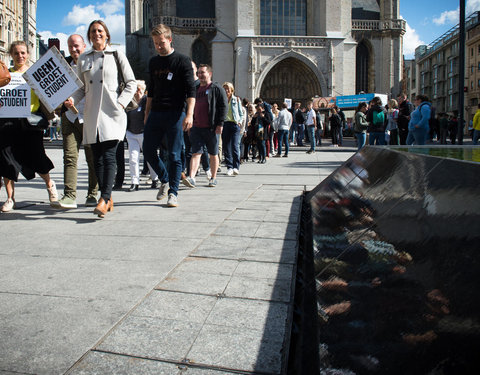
{"points": [[105, 120]]}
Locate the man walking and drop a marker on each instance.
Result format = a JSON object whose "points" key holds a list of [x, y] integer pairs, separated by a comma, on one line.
{"points": [[405, 108], [311, 122], [211, 106], [170, 89], [72, 131], [284, 122]]}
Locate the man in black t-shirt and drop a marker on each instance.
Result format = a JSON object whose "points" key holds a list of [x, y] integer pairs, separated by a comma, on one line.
{"points": [[169, 110]]}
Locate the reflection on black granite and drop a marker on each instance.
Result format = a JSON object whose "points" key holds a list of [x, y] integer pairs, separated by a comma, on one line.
{"points": [[397, 271]]}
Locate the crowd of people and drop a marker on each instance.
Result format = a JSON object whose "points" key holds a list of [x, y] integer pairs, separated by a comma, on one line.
{"points": [[180, 120]]}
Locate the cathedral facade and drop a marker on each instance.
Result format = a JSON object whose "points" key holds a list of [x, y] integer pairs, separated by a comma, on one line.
{"points": [[279, 49]]}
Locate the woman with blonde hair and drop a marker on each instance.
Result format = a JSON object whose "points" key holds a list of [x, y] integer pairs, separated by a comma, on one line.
{"points": [[21, 144], [392, 126], [231, 130]]}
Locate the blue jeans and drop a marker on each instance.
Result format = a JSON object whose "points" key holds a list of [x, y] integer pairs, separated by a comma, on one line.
{"points": [[283, 137], [476, 136], [417, 137], [379, 137], [262, 150], [361, 139], [158, 124], [231, 144], [311, 136], [293, 132]]}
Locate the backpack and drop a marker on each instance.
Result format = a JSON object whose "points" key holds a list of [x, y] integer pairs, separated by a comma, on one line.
{"points": [[268, 112]]}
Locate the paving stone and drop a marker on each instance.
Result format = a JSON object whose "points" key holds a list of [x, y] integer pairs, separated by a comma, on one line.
{"points": [[238, 228], [264, 270], [286, 231], [195, 282], [271, 250], [99, 363], [205, 265], [176, 306], [152, 338], [237, 348], [250, 314], [256, 288], [228, 247]]}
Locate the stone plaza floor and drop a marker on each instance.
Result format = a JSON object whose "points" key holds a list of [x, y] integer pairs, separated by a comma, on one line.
{"points": [[204, 288]]}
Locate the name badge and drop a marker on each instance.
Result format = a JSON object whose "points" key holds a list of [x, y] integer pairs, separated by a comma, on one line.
{"points": [[206, 92], [170, 76]]}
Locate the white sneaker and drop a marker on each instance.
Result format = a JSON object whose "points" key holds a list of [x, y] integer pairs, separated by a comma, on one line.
{"points": [[236, 172], [208, 172], [172, 200], [229, 172], [9, 205], [162, 191]]}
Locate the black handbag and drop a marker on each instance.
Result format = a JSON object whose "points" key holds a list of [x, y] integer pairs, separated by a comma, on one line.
{"points": [[121, 83]]}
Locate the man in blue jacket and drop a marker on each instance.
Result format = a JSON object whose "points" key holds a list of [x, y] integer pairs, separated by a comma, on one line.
{"points": [[211, 107]]}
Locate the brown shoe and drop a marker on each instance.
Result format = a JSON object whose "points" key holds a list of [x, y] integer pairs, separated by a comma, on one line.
{"points": [[110, 204], [101, 208]]}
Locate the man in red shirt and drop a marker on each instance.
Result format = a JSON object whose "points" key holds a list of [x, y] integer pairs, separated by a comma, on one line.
{"points": [[208, 117]]}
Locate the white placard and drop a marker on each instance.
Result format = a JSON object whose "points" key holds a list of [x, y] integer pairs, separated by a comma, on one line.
{"points": [[15, 98], [289, 102], [52, 79]]}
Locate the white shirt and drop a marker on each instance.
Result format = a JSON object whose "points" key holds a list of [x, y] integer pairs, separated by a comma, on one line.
{"points": [[310, 117]]}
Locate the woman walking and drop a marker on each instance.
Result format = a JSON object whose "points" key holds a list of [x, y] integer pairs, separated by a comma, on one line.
{"points": [[361, 124], [21, 145], [105, 120]]}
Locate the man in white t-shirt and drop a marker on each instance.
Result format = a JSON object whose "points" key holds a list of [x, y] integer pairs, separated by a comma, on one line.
{"points": [[311, 123]]}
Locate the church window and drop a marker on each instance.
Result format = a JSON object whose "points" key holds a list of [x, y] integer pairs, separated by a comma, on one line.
{"points": [[147, 17], [283, 17], [10, 33]]}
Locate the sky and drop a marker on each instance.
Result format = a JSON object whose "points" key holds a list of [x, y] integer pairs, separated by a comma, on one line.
{"points": [[426, 19]]}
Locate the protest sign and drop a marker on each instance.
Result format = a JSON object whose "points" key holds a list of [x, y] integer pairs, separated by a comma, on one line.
{"points": [[15, 98], [52, 79]]}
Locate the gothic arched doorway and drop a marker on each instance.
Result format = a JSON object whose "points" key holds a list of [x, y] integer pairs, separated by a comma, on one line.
{"points": [[290, 78], [363, 68]]}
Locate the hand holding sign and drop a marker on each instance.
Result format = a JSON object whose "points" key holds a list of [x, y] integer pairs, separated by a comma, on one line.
{"points": [[15, 98], [52, 79]]}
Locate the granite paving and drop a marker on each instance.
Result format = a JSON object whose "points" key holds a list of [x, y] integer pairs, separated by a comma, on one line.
{"points": [[205, 288]]}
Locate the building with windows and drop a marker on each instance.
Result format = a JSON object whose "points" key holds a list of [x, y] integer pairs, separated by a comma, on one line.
{"points": [[17, 22], [279, 49], [472, 55], [437, 69]]}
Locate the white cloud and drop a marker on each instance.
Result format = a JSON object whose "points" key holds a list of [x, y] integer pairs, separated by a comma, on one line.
{"points": [[411, 40], [80, 16], [60, 36], [452, 17], [447, 17], [111, 7]]}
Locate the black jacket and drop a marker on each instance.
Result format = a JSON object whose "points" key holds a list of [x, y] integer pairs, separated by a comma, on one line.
{"points": [[217, 105]]}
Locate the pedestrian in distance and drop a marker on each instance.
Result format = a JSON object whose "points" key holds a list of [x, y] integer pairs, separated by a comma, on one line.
{"points": [[418, 127], [134, 135], [360, 125], [231, 131], [105, 120]]}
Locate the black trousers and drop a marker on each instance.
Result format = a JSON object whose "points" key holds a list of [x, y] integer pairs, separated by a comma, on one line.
{"points": [[104, 157]]}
